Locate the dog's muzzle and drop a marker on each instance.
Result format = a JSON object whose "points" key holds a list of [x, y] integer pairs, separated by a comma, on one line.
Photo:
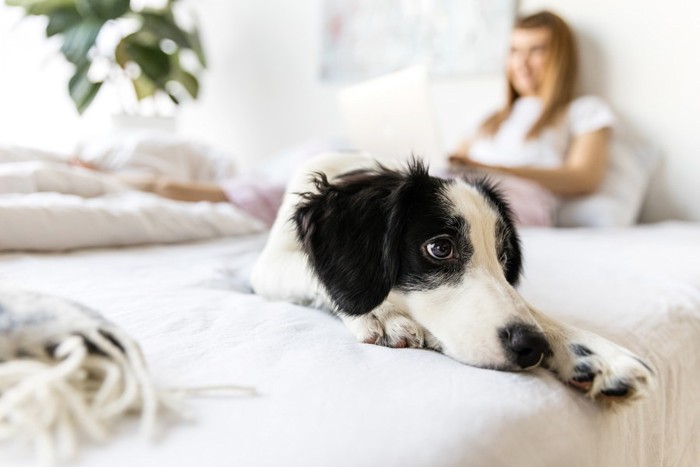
{"points": [[525, 345]]}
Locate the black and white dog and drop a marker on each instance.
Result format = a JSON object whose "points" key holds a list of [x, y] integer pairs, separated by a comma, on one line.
{"points": [[411, 260]]}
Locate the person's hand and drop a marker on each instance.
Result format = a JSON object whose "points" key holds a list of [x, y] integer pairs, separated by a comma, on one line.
{"points": [[141, 181], [75, 161]]}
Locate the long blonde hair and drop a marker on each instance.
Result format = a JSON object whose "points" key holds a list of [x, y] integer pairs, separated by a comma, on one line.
{"points": [[560, 78]]}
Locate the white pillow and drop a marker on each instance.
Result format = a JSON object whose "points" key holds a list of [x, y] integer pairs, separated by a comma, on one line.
{"points": [[619, 200]]}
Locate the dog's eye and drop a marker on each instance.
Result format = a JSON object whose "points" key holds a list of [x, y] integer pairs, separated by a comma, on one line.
{"points": [[440, 249]]}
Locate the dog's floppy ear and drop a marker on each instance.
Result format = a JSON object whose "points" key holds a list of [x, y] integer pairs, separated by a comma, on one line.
{"points": [[508, 240], [350, 231]]}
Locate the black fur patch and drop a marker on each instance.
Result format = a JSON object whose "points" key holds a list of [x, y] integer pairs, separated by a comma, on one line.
{"points": [[622, 389], [365, 233], [581, 350], [354, 231], [510, 253], [583, 373]]}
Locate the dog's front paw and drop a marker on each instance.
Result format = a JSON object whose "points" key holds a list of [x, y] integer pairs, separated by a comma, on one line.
{"points": [[605, 371], [387, 328]]}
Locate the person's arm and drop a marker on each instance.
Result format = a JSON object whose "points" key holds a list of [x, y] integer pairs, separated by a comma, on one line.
{"points": [[164, 186], [581, 174], [189, 190]]}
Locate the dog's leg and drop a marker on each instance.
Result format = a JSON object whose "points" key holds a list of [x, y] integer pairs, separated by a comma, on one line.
{"points": [[386, 325], [593, 364]]}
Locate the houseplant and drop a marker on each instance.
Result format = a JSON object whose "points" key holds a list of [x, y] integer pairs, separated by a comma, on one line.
{"points": [[146, 53]]}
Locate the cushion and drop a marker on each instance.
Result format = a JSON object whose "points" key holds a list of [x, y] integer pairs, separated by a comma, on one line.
{"points": [[619, 200]]}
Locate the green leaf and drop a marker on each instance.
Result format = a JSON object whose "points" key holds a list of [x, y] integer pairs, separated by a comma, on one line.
{"points": [[162, 25], [154, 63], [159, 25], [186, 79], [103, 9], [40, 7], [196, 46], [61, 19], [120, 53], [146, 38], [79, 39], [144, 87], [81, 89]]}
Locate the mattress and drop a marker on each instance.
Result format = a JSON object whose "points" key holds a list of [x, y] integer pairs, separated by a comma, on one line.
{"points": [[324, 399]]}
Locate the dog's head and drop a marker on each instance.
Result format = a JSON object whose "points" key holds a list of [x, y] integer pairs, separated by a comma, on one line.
{"points": [[447, 249]]}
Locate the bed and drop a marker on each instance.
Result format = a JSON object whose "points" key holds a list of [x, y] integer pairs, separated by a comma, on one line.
{"points": [[324, 399]]}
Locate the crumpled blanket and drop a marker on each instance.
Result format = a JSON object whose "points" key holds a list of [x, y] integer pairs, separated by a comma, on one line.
{"points": [[48, 205]]}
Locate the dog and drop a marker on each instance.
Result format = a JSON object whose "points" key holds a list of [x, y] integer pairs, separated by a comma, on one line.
{"points": [[407, 259]]}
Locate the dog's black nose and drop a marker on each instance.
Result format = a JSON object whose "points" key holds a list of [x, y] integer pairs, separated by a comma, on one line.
{"points": [[525, 344]]}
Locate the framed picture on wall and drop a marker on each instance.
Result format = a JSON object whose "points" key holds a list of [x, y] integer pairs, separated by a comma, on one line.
{"points": [[453, 38]]}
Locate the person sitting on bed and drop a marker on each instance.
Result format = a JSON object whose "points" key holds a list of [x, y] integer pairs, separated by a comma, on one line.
{"points": [[545, 141]]}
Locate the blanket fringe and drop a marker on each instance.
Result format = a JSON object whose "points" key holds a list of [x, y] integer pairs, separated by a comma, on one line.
{"points": [[88, 383]]}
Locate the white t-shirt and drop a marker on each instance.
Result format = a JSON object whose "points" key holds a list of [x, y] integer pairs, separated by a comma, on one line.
{"points": [[509, 146]]}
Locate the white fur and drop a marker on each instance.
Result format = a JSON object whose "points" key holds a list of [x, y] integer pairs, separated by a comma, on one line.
{"points": [[464, 317]]}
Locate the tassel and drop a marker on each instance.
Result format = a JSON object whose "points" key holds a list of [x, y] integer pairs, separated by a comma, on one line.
{"points": [[67, 373]]}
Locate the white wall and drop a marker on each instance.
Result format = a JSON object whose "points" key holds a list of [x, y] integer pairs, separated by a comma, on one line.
{"points": [[263, 90], [643, 56], [261, 93]]}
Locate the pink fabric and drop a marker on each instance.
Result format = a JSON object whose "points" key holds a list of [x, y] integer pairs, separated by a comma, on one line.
{"points": [[260, 193], [258, 197], [532, 204]]}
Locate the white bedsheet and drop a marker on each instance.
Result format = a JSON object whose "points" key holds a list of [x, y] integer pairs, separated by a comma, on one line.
{"points": [[327, 400]]}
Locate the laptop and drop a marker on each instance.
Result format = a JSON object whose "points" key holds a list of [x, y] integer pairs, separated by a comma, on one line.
{"points": [[393, 117]]}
